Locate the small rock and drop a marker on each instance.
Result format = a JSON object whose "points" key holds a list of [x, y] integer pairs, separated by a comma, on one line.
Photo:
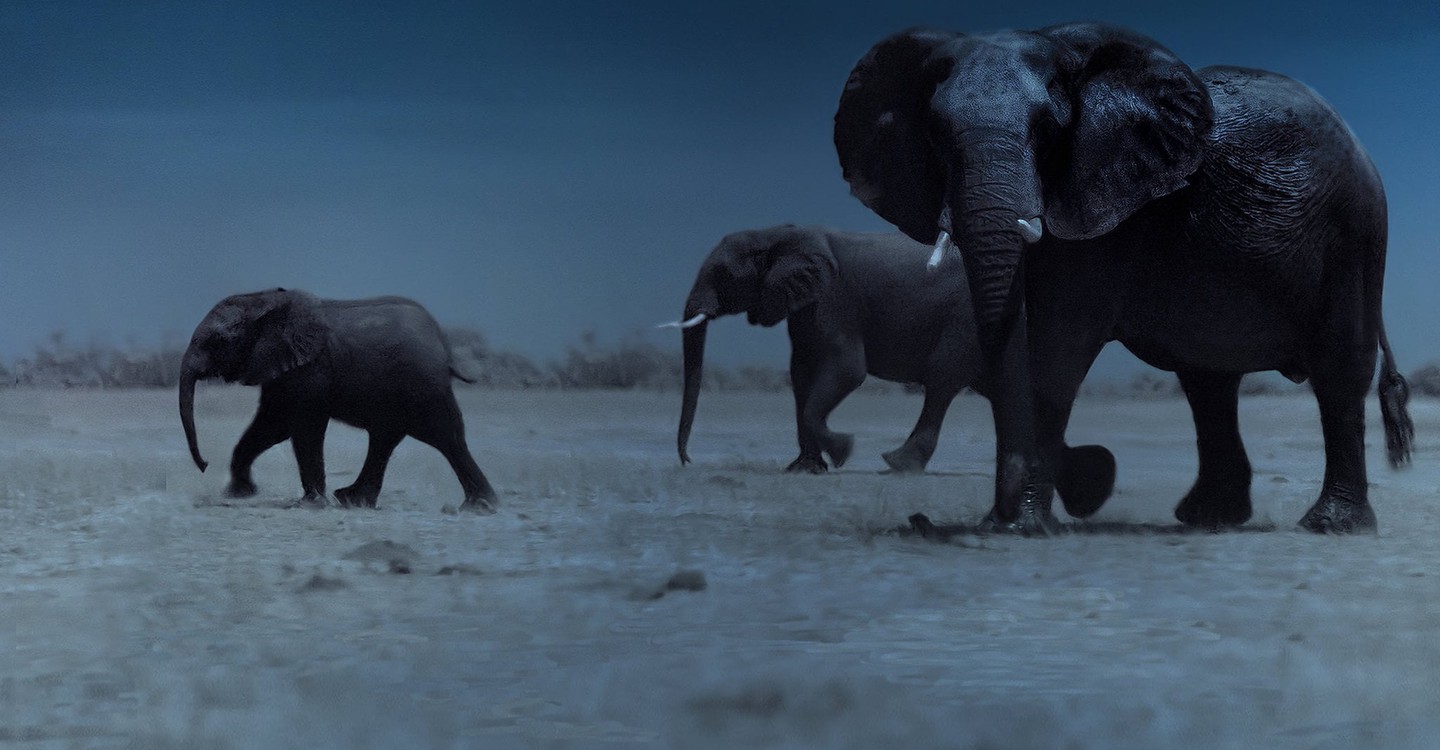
{"points": [[450, 509], [396, 557], [686, 580], [458, 570], [318, 582]]}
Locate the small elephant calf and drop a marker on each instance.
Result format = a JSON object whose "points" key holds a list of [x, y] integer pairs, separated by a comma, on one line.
{"points": [[380, 364]]}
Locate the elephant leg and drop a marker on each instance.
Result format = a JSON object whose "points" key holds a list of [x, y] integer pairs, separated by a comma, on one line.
{"points": [[1343, 505], [912, 457], [835, 378], [1023, 491], [308, 439], [366, 488], [444, 430], [1083, 475], [266, 430], [1221, 494], [802, 375], [1065, 347]]}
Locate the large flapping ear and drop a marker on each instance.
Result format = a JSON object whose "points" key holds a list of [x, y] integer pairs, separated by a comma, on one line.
{"points": [[881, 131], [1140, 120], [796, 271], [289, 333]]}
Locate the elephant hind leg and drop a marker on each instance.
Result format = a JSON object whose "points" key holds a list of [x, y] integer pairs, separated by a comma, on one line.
{"points": [[366, 488], [1343, 506], [1220, 496], [914, 455], [443, 429]]}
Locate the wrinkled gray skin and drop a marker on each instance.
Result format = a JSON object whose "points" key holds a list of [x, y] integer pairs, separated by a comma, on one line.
{"points": [[1216, 222], [854, 304], [380, 364]]}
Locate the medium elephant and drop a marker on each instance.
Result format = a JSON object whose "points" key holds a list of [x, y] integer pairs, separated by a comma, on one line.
{"points": [[856, 304], [1215, 221], [379, 364]]}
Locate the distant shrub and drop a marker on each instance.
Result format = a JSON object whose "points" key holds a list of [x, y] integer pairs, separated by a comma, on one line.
{"points": [[489, 368], [632, 363], [1426, 380], [57, 363]]}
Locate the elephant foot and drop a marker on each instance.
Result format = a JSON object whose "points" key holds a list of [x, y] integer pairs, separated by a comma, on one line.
{"points": [[312, 500], [902, 461], [352, 497], [1340, 513], [240, 488], [839, 449], [1086, 479], [1033, 519], [1214, 506], [480, 505], [808, 465], [1219, 499]]}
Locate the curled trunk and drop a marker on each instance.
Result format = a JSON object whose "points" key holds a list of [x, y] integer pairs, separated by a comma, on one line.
{"points": [[694, 349], [190, 371]]}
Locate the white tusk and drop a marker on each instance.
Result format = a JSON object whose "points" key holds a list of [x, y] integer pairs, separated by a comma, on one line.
{"points": [[691, 323], [940, 244], [1032, 230]]}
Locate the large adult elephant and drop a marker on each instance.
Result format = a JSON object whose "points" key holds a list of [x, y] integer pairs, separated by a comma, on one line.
{"points": [[379, 364], [855, 304], [1216, 221]]}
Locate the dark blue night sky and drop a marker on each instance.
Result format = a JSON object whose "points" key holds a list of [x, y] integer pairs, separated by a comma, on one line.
{"points": [[539, 168]]}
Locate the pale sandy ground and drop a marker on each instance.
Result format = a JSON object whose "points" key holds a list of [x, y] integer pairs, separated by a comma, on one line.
{"points": [[140, 609]]}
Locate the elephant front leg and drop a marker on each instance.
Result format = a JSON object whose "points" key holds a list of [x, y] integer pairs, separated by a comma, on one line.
{"points": [[265, 431], [834, 380], [1023, 493], [1343, 506], [1221, 494], [308, 440], [802, 373]]}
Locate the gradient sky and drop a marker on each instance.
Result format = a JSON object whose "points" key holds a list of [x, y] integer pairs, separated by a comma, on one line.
{"points": [[537, 168]]}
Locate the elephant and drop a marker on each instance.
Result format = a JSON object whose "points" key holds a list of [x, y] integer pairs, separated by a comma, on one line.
{"points": [[380, 364], [1216, 222], [855, 304]]}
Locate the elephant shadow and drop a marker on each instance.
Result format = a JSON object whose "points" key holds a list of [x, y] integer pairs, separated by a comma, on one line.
{"points": [[264, 502], [919, 526]]}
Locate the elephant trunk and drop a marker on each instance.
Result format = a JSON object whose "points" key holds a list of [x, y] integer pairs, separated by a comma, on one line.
{"points": [[191, 369], [694, 349], [992, 205]]}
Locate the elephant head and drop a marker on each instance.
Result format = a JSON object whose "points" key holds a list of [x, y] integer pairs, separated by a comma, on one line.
{"points": [[992, 141], [766, 274], [251, 339]]}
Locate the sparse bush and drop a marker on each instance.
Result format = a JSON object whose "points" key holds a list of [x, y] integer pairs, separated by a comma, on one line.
{"points": [[1426, 380], [633, 363], [1154, 385], [478, 361]]}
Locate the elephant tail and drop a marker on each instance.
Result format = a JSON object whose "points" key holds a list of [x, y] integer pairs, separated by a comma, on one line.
{"points": [[1394, 395]]}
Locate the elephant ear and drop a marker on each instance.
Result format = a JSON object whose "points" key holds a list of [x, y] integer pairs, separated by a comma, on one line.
{"points": [[1140, 118], [881, 131], [289, 334], [797, 270]]}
